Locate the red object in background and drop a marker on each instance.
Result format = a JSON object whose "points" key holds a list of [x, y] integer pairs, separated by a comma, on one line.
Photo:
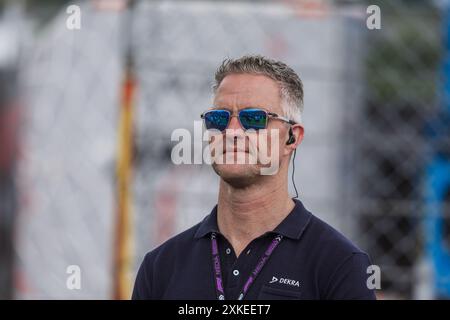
{"points": [[309, 8], [9, 128]]}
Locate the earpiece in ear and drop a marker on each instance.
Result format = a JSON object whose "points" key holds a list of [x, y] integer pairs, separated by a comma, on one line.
{"points": [[291, 139]]}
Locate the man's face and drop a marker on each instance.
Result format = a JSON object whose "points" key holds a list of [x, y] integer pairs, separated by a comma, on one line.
{"points": [[241, 91]]}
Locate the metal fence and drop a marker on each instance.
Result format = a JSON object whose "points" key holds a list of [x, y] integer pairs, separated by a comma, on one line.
{"points": [[394, 150]]}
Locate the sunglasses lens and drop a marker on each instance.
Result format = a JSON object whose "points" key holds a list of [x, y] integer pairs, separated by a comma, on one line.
{"points": [[217, 119], [253, 119]]}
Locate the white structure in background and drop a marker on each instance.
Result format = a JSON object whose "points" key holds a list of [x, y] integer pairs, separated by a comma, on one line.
{"points": [[73, 82]]}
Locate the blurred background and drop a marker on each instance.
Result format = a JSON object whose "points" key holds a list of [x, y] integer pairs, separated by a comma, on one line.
{"points": [[90, 94]]}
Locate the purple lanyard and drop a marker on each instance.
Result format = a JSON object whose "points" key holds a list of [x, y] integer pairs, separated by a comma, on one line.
{"points": [[220, 293]]}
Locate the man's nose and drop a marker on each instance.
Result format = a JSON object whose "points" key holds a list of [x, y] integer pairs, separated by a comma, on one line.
{"points": [[234, 130], [234, 123]]}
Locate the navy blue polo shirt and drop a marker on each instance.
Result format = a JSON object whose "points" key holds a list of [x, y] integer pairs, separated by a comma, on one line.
{"points": [[313, 261]]}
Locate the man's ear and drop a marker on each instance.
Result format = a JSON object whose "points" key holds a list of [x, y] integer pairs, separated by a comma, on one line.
{"points": [[296, 133]]}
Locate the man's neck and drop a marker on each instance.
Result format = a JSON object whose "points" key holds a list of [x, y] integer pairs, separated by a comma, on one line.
{"points": [[245, 214]]}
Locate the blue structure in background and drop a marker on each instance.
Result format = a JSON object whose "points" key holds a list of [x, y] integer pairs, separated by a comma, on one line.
{"points": [[437, 190], [437, 180]]}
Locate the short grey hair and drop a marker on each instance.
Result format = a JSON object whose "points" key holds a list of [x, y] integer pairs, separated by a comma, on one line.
{"points": [[291, 87]]}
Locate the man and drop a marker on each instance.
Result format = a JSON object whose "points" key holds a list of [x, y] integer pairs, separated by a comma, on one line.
{"points": [[258, 242]]}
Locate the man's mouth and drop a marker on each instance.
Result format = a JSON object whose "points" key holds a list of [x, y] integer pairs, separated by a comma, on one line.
{"points": [[236, 150]]}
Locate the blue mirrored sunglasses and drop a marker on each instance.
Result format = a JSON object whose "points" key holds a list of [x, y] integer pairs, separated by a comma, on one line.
{"points": [[253, 118]]}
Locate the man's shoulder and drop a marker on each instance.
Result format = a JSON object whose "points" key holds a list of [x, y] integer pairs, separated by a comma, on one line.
{"points": [[340, 264], [329, 240]]}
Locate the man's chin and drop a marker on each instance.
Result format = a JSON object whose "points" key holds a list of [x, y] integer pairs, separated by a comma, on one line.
{"points": [[238, 175]]}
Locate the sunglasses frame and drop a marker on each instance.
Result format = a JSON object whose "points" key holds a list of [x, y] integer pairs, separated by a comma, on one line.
{"points": [[269, 115]]}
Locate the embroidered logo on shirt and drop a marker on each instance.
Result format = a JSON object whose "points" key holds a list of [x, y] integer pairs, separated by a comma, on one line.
{"points": [[290, 282]]}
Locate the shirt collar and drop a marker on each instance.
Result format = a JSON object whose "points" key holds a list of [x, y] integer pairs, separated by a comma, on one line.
{"points": [[291, 227]]}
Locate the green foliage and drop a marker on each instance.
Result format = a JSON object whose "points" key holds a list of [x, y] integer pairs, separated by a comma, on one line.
{"points": [[404, 56]]}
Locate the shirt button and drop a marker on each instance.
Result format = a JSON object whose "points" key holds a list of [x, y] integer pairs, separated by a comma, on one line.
{"points": [[228, 251], [236, 272]]}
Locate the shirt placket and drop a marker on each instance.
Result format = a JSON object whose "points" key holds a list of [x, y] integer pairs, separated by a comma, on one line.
{"points": [[236, 269]]}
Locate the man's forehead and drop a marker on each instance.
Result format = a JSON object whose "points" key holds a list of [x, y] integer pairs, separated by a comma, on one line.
{"points": [[247, 90], [244, 82], [241, 100]]}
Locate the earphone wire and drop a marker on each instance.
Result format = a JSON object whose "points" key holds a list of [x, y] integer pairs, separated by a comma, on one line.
{"points": [[293, 173]]}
